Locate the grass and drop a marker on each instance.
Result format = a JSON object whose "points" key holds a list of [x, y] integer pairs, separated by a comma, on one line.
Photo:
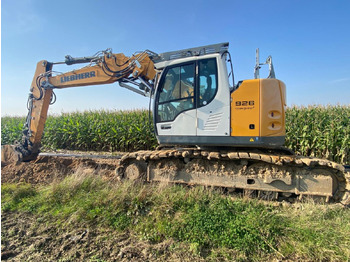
{"points": [[213, 225]]}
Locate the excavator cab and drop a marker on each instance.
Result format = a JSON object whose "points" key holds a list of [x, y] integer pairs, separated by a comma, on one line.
{"points": [[195, 104]]}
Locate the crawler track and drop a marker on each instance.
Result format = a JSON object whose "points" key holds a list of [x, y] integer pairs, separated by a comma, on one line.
{"points": [[264, 174], [268, 175]]}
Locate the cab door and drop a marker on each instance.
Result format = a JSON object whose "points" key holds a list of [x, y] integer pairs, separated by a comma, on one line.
{"points": [[175, 109]]}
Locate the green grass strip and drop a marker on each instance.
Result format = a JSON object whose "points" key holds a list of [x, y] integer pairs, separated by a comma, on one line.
{"points": [[206, 219]]}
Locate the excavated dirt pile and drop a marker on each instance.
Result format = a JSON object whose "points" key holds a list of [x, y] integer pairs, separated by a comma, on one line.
{"points": [[45, 169]]}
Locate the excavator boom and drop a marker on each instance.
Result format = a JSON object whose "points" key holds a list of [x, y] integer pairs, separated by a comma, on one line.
{"points": [[103, 68]]}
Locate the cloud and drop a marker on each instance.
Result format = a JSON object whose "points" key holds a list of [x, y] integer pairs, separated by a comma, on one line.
{"points": [[339, 80]]}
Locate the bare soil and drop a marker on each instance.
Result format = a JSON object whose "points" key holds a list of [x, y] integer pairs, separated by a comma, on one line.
{"points": [[26, 237], [46, 169]]}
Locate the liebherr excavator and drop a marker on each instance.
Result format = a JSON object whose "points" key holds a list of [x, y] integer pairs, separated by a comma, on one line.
{"points": [[210, 132]]}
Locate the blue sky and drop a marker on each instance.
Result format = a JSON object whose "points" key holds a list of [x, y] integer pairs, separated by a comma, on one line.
{"points": [[308, 40]]}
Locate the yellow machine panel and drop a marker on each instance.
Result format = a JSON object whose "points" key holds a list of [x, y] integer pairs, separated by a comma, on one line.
{"points": [[245, 109], [273, 102], [257, 108]]}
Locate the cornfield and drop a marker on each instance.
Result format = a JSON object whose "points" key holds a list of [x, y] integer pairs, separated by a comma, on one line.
{"points": [[319, 132], [311, 131], [90, 131]]}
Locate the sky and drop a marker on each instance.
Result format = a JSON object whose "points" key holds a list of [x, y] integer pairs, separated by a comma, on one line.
{"points": [[308, 40]]}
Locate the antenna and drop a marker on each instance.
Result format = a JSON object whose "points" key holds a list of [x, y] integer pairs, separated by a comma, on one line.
{"points": [[257, 65]]}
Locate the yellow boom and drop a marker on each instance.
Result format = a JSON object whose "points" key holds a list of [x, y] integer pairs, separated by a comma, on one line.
{"points": [[104, 68]]}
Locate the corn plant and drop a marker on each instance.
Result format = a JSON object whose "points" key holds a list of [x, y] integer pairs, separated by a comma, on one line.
{"points": [[11, 129], [316, 131], [319, 131]]}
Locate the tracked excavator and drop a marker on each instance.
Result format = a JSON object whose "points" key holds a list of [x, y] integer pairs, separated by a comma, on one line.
{"points": [[211, 130]]}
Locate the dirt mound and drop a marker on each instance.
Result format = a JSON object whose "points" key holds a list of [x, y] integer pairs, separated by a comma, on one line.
{"points": [[46, 169]]}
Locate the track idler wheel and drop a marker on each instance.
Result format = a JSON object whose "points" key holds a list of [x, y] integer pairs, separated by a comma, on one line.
{"points": [[134, 171]]}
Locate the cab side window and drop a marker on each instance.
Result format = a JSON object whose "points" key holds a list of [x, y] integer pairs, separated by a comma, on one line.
{"points": [[177, 92], [207, 81]]}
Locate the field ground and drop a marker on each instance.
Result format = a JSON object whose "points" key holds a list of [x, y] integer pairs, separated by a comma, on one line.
{"points": [[67, 210], [27, 237]]}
